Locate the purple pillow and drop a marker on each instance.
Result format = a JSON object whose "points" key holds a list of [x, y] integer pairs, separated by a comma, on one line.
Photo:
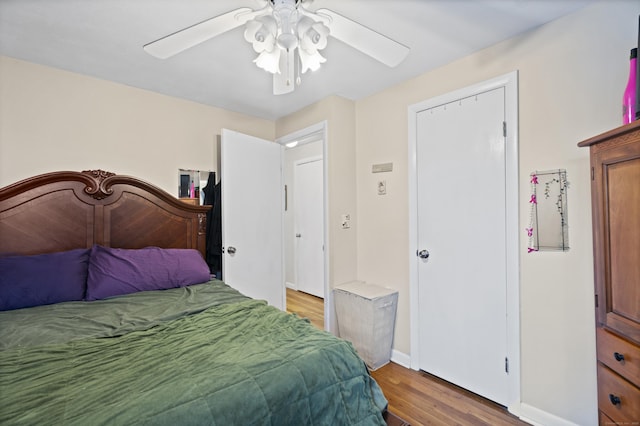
{"points": [[42, 279], [114, 271]]}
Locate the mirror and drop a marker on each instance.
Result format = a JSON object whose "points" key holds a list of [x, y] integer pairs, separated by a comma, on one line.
{"points": [[189, 184], [548, 228]]}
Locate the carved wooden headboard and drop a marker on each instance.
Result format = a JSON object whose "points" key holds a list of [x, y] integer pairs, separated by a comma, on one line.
{"points": [[65, 210]]}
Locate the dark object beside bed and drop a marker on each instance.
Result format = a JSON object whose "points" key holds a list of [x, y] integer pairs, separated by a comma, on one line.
{"points": [[198, 354]]}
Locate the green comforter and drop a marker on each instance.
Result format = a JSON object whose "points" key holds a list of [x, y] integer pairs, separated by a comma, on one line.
{"points": [[203, 355]]}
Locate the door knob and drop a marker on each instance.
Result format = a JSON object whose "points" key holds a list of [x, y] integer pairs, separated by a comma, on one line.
{"points": [[298, 235], [231, 250], [423, 254]]}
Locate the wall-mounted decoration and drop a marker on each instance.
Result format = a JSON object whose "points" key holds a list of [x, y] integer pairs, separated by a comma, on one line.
{"points": [[548, 228]]}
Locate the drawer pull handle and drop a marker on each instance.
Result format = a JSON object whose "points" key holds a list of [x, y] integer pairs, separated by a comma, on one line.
{"points": [[618, 356], [614, 399]]}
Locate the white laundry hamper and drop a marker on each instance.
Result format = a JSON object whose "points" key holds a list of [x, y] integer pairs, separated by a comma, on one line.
{"points": [[366, 317]]}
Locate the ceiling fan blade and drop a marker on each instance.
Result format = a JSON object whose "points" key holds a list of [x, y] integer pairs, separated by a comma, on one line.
{"points": [[191, 36], [284, 82], [368, 41]]}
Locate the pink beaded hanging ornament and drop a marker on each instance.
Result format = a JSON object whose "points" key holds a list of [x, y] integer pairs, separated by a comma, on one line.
{"points": [[532, 201]]}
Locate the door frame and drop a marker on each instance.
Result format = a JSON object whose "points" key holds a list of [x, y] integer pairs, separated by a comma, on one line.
{"points": [[315, 132], [510, 83]]}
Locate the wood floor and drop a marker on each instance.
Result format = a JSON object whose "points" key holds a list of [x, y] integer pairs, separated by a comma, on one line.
{"points": [[306, 306], [417, 397]]}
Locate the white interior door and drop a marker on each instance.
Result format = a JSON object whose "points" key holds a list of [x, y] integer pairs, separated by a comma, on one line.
{"points": [[309, 228], [460, 164], [252, 209]]}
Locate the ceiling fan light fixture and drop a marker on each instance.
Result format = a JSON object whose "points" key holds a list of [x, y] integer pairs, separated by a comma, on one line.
{"points": [[261, 33], [287, 27], [310, 61], [287, 41], [313, 35], [286, 16], [318, 35], [269, 61]]}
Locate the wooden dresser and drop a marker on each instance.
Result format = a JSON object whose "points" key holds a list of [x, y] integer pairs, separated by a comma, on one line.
{"points": [[194, 201], [615, 194]]}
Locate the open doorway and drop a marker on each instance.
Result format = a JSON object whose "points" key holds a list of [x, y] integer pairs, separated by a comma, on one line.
{"points": [[304, 221]]}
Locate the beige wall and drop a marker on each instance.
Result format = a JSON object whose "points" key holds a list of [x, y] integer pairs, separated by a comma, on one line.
{"points": [[572, 73], [56, 120]]}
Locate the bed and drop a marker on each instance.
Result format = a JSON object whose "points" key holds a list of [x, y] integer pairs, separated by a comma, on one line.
{"points": [[110, 317]]}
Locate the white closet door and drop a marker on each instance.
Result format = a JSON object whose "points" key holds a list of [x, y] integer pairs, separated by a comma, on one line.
{"points": [[460, 157]]}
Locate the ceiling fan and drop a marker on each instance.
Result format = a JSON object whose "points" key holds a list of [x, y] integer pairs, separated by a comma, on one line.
{"points": [[287, 36]]}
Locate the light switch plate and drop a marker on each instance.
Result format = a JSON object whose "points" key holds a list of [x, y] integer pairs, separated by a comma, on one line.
{"points": [[382, 187]]}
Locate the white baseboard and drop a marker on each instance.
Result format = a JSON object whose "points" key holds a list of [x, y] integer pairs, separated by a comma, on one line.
{"points": [[538, 417], [292, 286], [401, 358]]}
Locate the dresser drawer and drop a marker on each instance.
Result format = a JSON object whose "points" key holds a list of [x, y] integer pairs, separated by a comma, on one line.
{"points": [[603, 420], [617, 398], [619, 355]]}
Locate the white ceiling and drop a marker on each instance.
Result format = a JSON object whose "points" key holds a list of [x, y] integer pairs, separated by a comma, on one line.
{"points": [[104, 39]]}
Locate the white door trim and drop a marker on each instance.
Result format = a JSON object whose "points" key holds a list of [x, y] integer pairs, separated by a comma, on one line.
{"points": [[302, 134], [510, 83]]}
